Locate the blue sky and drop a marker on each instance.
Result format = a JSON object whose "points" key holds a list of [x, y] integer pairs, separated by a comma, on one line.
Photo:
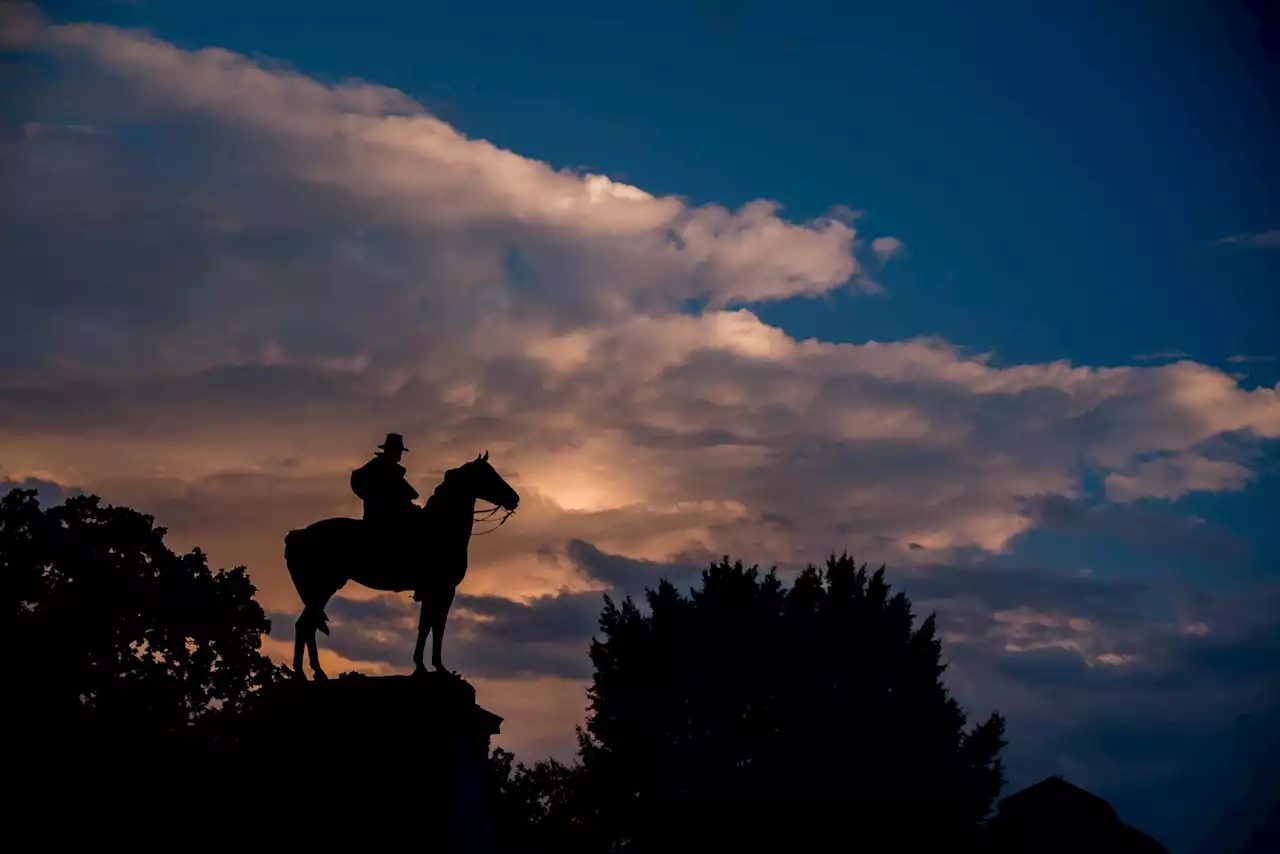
{"points": [[1094, 184], [1059, 174]]}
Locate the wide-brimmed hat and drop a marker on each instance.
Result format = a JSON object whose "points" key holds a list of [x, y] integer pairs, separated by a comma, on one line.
{"points": [[395, 442]]}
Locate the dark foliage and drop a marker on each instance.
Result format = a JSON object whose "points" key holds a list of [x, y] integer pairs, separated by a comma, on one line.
{"points": [[125, 656], [750, 716], [107, 618], [536, 807], [744, 715]]}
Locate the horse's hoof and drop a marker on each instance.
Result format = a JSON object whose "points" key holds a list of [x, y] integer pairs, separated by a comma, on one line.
{"points": [[420, 671], [320, 675], [298, 675]]}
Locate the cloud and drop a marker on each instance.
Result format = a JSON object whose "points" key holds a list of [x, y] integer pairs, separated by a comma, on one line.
{"points": [[1148, 693], [1160, 716], [431, 221], [1174, 476], [36, 129], [235, 291], [21, 24], [487, 637], [887, 247], [48, 493], [1164, 356], [1240, 358], [629, 574], [1153, 530], [1253, 240], [220, 336]]}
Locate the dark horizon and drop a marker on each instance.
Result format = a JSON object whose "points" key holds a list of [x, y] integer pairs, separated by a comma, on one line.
{"points": [[142, 668]]}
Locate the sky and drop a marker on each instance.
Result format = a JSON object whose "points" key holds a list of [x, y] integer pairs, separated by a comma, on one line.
{"points": [[983, 292]]}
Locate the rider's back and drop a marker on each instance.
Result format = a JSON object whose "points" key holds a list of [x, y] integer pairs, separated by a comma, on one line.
{"points": [[380, 484]]}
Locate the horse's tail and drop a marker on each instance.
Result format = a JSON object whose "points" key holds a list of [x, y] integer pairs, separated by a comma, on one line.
{"points": [[295, 559], [321, 621]]}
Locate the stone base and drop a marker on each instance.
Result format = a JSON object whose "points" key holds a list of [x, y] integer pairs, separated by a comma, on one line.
{"points": [[378, 760], [355, 763]]}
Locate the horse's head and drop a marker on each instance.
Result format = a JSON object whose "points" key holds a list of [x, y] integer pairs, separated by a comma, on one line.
{"points": [[487, 485]]}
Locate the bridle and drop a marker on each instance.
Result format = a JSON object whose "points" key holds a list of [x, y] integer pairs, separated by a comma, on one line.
{"points": [[486, 515]]}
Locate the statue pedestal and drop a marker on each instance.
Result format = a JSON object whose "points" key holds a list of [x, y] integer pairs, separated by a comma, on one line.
{"points": [[353, 764], [375, 760]]}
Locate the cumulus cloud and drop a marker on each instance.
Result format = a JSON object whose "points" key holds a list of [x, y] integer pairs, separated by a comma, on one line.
{"points": [[327, 263], [429, 222], [223, 315], [1173, 476]]}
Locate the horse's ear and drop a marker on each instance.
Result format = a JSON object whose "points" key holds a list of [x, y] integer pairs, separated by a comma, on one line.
{"points": [[478, 457], [486, 456]]}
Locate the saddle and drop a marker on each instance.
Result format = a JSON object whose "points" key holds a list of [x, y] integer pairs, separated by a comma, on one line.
{"points": [[393, 554], [404, 554]]}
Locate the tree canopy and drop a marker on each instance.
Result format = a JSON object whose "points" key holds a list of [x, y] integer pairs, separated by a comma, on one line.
{"points": [[122, 661], [107, 620], [749, 714]]}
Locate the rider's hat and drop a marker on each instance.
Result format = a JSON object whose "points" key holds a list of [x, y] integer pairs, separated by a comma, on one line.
{"points": [[395, 442]]}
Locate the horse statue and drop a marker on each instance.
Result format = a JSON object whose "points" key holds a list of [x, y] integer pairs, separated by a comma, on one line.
{"points": [[430, 558]]}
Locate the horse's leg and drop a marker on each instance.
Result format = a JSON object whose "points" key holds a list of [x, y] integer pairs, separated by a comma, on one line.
{"points": [[315, 620], [439, 618], [424, 626], [299, 640], [314, 652]]}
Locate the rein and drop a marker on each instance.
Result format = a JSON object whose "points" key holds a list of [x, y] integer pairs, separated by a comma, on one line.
{"points": [[484, 515]]}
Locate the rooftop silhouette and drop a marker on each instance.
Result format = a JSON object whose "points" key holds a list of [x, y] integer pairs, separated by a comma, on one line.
{"points": [[1055, 816]]}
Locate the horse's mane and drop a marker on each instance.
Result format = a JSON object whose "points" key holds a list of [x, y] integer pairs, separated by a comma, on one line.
{"points": [[446, 489]]}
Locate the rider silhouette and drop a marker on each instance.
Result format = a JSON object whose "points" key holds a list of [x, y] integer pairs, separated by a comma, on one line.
{"points": [[387, 496]]}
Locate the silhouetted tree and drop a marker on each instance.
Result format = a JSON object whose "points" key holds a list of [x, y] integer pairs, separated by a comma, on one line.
{"points": [[107, 618], [533, 806], [750, 716], [121, 658]]}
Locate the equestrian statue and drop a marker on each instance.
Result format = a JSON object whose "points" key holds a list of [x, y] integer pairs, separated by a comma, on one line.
{"points": [[397, 546]]}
